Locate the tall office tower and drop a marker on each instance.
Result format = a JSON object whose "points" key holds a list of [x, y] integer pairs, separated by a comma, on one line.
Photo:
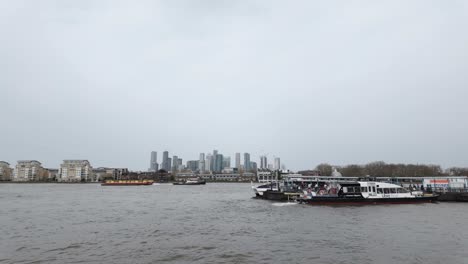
{"points": [[253, 166], [175, 163], [263, 162], [166, 164], [201, 162], [277, 164], [169, 162], [226, 162], [218, 163], [238, 161], [214, 161], [247, 162], [208, 162], [153, 162], [180, 166], [193, 165]]}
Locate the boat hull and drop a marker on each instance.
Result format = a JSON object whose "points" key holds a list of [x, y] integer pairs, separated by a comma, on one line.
{"points": [[126, 184], [189, 183], [365, 201]]}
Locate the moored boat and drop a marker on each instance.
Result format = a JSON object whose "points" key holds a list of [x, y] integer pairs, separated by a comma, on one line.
{"points": [[357, 193], [127, 182]]}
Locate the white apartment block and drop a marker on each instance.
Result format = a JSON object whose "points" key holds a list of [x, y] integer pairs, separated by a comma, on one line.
{"points": [[75, 171], [5, 171], [28, 170]]}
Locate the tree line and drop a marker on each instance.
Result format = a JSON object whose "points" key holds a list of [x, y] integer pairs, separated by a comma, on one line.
{"points": [[382, 169]]}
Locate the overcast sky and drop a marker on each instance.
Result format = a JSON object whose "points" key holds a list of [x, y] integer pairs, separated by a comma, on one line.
{"points": [[308, 81]]}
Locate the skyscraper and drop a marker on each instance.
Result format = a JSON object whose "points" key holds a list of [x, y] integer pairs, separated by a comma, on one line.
{"points": [[263, 162], [226, 162], [175, 163], [213, 160], [238, 161], [166, 164], [219, 162], [169, 162], [247, 162], [201, 162], [153, 162], [208, 162], [277, 164]]}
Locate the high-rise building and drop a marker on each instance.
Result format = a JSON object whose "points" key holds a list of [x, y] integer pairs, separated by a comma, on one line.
{"points": [[180, 166], [153, 162], [193, 165], [277, 165], [29, 170], [253, 166], [238, 161], [247, 162], [169, 162], [209, 162], [263, 162], [175, 163], [201, 162], [75, 171], [166, 164], [218, 163], [226, 162]]}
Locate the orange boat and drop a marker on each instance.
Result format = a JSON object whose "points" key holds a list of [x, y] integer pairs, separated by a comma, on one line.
{"points": [[127, 182]]}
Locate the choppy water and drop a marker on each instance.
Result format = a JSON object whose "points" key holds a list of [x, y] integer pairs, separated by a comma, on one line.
{"points": [[217, 223]]}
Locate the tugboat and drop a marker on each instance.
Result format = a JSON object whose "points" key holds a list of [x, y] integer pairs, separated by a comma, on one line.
{"points": [[357, 193], [127, 182], [191, 181]]}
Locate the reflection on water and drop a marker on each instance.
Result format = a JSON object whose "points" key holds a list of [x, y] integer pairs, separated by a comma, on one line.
{"points": [[216, 223]]}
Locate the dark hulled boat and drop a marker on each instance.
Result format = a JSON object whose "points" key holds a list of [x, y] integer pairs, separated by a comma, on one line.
{"points": [[127, 182]]}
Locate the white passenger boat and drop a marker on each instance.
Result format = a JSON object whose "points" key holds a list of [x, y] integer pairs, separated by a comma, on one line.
{"points": [[260, 189], [361, 192]]}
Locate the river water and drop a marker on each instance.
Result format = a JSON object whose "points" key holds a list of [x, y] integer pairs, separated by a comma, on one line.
{"points": [[217, 223]]}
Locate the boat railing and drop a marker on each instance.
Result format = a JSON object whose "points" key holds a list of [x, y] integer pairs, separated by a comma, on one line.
{"points": [[445, 190]]}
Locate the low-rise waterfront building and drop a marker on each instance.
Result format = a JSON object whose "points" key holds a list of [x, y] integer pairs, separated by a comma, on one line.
{"points": [[29, 170], [75, 171], [5, 171], [52, 174], [104, 173]]}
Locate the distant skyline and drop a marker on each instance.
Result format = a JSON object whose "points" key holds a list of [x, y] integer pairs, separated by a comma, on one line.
{"points": [[341, 82]]}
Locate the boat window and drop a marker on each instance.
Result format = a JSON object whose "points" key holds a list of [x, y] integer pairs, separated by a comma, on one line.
{"points": [[363, 189], [379, 190], [386, 190], [393, 190], [402, 190], [373, 188]]}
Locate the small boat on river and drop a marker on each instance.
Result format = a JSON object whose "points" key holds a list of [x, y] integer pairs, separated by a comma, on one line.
{"points": [[127, 182], [192, 181]]}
